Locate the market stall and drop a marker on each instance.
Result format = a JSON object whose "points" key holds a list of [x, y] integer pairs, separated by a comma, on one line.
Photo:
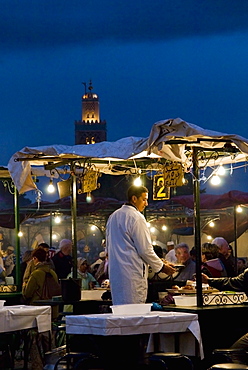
{"points": [[173, 146]]}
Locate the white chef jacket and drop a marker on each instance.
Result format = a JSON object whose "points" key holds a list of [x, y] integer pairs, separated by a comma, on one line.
{"points": [[130, 251]]}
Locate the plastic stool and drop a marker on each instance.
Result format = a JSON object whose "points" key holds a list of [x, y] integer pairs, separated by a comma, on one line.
{"points": [[237, 355], [227, 366], [170, 361]]}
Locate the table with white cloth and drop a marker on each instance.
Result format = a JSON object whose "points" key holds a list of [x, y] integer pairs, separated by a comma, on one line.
{"points": [[22, 318], [15, 318], [161, 329]]}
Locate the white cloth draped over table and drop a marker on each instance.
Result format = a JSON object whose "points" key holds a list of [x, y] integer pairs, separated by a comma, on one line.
{"points": [[14, 318], [164, 323]]}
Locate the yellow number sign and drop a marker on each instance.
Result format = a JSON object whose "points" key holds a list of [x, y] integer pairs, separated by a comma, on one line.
{"points": [[160, 192]]}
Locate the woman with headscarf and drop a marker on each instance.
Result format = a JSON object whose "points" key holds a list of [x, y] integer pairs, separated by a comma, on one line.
{"points": [[88, 280]]}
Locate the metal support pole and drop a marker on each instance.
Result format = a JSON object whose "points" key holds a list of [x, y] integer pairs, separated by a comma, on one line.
{"points": [[74, 223], [197, 226], [235, 237], [17, 229], [51, 228]]}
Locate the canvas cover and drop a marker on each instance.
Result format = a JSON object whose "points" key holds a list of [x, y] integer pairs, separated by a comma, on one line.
{"points": [[168, 139]]}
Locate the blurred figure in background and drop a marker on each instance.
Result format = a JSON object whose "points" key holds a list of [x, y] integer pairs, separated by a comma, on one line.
{"points": [[224, 256], [9, 260], [27, 256], [170, 255], [241, 264], [62, 259], [94, 266], [211, 264], [101, 273]]}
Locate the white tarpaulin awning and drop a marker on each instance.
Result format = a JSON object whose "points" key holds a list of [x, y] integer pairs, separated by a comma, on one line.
{"points": [[170, 139]]}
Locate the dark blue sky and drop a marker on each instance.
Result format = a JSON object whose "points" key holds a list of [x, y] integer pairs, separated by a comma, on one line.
{"points": [[148, 61]]}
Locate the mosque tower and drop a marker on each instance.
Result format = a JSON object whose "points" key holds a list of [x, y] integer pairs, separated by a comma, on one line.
{"points": [[91, 129]]}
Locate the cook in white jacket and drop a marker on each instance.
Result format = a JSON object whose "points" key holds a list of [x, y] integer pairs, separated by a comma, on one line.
{"points": [[130, 250]]}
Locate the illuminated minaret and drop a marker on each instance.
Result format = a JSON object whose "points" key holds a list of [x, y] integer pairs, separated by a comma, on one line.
{"points": [[91, 129]]}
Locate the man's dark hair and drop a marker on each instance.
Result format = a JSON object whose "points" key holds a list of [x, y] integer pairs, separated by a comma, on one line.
{"points": [[43, 245], [40, 254], [158, 250], [210, 251], [136, 190]]}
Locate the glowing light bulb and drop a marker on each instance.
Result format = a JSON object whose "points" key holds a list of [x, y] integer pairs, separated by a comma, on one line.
{"points": [[152, 229], [93, 227], [88, 198], [20, 234], [221, 170], [51, 188], [164, 227], [137, 181], [239, 209], [211, 224], [57, 219], [209, 237], [215, 180]]}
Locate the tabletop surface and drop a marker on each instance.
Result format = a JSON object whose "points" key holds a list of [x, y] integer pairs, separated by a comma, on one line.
{"points": [[155, 322], [20, 317], [110, 324]]}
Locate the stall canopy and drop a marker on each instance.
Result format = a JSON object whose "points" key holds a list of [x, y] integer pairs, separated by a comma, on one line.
{"points": [[171, 139]]}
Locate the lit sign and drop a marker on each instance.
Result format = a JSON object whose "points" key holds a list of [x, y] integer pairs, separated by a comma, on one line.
{"points": [[173, 175], [160, 192]]}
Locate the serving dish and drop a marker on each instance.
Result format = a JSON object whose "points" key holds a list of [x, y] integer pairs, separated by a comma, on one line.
{"points": [[191, 291]]}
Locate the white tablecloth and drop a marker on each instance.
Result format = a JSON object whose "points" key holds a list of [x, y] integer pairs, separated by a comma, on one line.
{"points": [[165, 323], [13, 318]]}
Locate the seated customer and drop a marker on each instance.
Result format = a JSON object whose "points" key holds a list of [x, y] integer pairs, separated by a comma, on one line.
{"points": [[211, 264], [32, 290], [224, 255], [88, 280], [183, 258], [31, 263]]}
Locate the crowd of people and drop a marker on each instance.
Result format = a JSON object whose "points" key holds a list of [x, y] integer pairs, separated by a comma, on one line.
{"points": [[129, 261]]}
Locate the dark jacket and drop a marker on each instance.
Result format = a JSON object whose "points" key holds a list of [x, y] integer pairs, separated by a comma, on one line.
{"points": [[237, 284], [63, 264], [32, 291], [229, 264]]}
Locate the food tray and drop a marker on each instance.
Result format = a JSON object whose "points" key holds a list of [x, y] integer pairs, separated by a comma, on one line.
{"points": [[191, 291]]}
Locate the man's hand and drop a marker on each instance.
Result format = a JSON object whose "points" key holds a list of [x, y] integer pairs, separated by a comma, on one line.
{"points": [[168, 268], [204, 278]]}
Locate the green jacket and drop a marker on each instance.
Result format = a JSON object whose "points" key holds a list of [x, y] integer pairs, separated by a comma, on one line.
{"points": [[33, 289]]}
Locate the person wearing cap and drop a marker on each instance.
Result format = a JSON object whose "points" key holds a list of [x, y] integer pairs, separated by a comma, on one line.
{"points": [[130, 250], [62, 259], [170, 255], [101, 257]]}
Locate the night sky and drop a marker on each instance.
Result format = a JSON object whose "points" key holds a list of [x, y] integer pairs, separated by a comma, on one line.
{"points": [[148, 61]]}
